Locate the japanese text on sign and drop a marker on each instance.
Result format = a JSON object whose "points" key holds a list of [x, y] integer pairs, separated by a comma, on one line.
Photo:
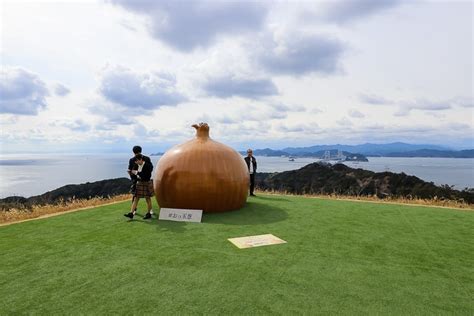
{"points": [[180, 215]]}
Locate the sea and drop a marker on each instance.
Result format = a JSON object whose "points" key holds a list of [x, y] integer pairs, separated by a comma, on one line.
{"points": [[33, 174]]}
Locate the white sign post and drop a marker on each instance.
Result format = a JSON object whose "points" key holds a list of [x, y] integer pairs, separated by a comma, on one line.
{"points": [[180, 215]]}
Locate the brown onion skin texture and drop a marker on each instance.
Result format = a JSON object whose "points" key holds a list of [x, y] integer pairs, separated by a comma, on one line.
{"points": [[201, 174]]}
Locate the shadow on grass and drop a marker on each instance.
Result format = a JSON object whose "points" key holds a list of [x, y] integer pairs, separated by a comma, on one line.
{"points": [[254, 213], [171, 226], [258, 210]]}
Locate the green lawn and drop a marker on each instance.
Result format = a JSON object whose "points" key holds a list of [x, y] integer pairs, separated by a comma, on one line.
{"points": [[341, 257]]}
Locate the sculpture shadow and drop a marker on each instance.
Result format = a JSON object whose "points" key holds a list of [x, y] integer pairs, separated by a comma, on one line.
{"points": [[168, 226], [255, 212]]}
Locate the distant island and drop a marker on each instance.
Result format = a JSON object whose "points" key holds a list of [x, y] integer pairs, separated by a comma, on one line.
{"points": [[333, 154], [361, 152]]}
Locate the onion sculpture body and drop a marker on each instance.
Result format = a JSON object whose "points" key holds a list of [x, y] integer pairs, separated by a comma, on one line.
{"points": [[201, 174]]}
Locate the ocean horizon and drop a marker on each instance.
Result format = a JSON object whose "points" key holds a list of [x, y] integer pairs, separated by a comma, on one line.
{"points": [[34, 174]]}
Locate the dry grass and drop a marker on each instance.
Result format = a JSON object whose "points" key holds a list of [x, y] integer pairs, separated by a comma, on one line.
{"points": [[15, 215], [388, 200]]}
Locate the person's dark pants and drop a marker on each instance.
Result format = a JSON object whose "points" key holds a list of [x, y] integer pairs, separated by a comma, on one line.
{"points": [[252, 182]]}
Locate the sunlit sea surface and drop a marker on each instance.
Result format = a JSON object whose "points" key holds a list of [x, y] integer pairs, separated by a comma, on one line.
{"points": [[33, 174]]}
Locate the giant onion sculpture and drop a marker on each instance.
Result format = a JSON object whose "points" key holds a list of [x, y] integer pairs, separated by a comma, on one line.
{"points": [[201, 174]]}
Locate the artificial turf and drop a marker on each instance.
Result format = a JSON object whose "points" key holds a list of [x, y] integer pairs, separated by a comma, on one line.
{"points": [[341, 257]]}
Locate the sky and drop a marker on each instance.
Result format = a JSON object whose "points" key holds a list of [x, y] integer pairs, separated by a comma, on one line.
{"points": [[102, 76]]}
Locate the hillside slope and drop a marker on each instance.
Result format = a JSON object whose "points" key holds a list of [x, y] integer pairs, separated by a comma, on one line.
{"points": [[320, 178]]}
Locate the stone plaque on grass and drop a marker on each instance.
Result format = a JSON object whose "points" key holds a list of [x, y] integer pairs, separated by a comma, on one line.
{"points": [[256, 241]]}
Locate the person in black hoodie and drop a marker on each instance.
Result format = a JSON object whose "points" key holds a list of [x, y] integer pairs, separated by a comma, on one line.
{"points": [[144, 186]]}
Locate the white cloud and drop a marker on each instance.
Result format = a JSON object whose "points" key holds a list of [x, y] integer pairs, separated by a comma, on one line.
{"points": [[465, 102], [77, 125], [230, 86], [346, 11], [373, 99], [344, 122], [191, 24], [421, 104], [262, 77], [295, 53], [22, 92], [61, 90], [145, 91], [307, 128], [406, 107], [355, 113], [280, 107], [142, 132], [112, 115]]}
